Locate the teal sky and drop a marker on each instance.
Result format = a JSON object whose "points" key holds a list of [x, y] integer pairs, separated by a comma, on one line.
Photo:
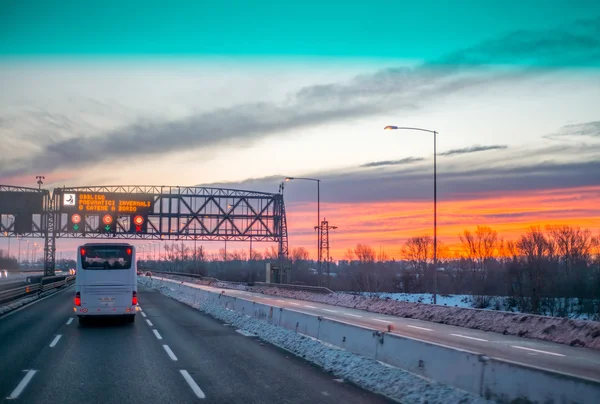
{"points": [[414, 30]]}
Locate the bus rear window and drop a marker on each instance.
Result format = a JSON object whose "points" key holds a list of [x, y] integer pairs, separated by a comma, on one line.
{"points": [[105, 257]]}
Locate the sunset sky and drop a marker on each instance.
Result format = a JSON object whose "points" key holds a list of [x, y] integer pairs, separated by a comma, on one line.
{"points": [[243, 94]]}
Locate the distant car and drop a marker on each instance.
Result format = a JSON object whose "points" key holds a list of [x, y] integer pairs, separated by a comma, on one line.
{"points": [[148, 273]]}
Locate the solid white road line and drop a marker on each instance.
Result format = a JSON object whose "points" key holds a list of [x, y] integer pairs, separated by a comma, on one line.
{"points": [[169, 352], [382, 321], [55, 341], [245, 333], [69, 321], [331, 311], [536, 350], [149, 322], [143, 314], [157, 334], [352, 315], [195, 388], [467, 337], [22, 384], [419, 328], [310, 307]]}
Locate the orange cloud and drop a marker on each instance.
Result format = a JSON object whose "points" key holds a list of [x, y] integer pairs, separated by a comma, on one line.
{"points": [[389, 224]]}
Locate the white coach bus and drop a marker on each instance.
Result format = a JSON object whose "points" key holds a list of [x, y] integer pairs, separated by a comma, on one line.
{"points": [[106, 283]]}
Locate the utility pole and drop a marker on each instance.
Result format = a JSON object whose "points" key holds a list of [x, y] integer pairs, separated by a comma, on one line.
{"points": [[324, 246]]}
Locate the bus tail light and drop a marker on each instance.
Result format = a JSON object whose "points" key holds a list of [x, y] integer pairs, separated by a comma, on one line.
{"points": [[78, 299], [134, 299]]}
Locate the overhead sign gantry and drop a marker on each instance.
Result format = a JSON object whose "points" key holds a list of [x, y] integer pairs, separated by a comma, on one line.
{"points": [[144, 212]]}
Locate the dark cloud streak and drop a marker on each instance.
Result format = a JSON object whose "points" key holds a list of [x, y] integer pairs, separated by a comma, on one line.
{"points": [[587, 129], [407, 160], [472, 149]]}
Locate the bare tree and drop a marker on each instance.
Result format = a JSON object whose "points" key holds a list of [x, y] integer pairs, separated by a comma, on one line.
{"points": [[417, 251], [535, 249], [364, 253], [366, 276], [256, 255], [271, 253], [299, 254], [572, 245], [349, 255], [382, 255], [480, 249]]}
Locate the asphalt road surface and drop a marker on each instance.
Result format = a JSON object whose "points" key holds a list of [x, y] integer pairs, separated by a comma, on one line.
{"points": [[171, 354], [582, 362]]}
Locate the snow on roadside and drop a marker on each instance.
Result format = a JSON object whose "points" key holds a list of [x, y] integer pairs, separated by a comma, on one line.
{"points": [[5, 308], [553, 329], [16, 304], [364, 372]]}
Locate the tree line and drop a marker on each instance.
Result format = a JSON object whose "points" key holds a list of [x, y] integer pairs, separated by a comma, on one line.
{"points": [[545, 270]]}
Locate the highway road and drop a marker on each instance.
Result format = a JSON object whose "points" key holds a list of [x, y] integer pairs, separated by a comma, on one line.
{"points": [[582, 362], [171, 354]]}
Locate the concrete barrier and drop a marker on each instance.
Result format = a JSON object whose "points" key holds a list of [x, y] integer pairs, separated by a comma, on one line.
{"points": [[492, 378], [447, 365], [505, 382]]}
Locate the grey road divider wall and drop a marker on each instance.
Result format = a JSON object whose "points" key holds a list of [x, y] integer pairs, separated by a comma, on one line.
{"points": [[43, 284], [492, 378]]}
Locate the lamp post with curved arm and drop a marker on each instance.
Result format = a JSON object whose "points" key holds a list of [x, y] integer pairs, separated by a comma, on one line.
{"points": [[434, 200]]}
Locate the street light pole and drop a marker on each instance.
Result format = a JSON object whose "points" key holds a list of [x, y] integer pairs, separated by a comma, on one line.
{"points": [[318, 226], [434, 200]]}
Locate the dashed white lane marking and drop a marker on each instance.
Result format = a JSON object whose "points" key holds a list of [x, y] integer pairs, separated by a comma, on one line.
{"points": [[352, 315], [382, 321], [281, 301], [69, 321], [143, 314], [245, 333], [169, 352], [331, 311], [55, 341], [22, 384], [467, 337], [149, 322], [157, 334], [536, 350], [295, 304], [195, 388], [419, 328], [310, 307]]}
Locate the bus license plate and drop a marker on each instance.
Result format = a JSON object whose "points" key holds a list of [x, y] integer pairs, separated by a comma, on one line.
{"points": [[107, 299]]}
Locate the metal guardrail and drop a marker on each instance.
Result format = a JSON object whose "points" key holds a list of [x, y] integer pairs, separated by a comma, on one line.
{"points": [[34, 289], [314, 289]]}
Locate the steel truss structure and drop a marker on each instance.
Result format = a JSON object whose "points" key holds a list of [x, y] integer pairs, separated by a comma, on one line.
{"points": [[178, 213], [324, 247]]}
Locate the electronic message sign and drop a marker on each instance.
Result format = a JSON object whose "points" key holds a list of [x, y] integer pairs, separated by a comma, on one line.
{"points": [[112, 203], [108, 207]]}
